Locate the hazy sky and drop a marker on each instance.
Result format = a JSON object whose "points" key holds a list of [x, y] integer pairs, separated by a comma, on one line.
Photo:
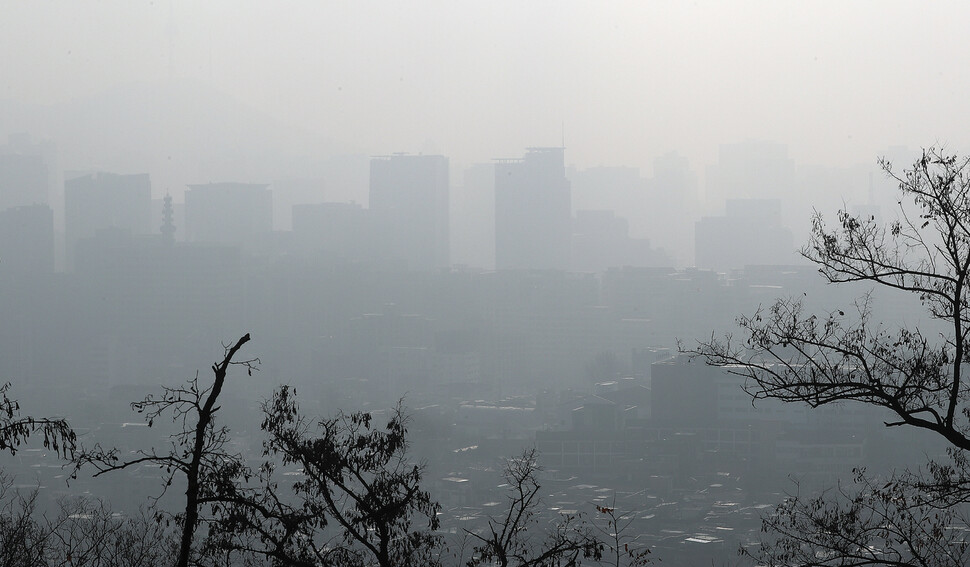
{"points": [[836, 81]]}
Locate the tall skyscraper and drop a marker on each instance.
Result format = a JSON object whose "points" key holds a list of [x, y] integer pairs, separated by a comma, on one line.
{"points": [[473, 218], [532, 211], [25, 172], [409, 205], [100, 200], [27, 240]]}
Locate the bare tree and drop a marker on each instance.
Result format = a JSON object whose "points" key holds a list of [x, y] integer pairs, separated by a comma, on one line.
{"points": [[513, 539], [88, 533], [619, 544], [197, 451], [81, 533], [22, 538], [789, 354], [913, 518], [16, 429]]}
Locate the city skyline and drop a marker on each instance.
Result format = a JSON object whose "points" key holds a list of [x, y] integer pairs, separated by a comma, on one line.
{"points": [[407, 193], [678, 282]]}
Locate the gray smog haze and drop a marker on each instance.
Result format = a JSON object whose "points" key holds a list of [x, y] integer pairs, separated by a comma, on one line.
{"points": [[624, 81], [521, 217]]}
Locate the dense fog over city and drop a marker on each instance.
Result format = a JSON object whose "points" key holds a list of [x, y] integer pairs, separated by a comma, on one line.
{"points": [[521, 229]]}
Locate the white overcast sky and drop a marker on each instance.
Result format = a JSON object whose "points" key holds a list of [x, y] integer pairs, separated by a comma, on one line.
{"points": [[836, 81]]}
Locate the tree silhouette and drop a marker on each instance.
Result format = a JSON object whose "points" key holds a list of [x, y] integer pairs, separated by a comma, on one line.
{"points": [[80, 533], [511, 539], [789, 354], [357, 501], [621, 546], [197, 451], [15, 429], [354, 499], [361, 476]]}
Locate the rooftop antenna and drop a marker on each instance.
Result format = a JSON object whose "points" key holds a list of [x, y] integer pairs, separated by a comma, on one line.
{"points": [[563, 134]]}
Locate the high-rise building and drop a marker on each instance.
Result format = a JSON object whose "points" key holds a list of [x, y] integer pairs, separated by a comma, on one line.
{"points": [[23, 180], [25, 172], [100, 200], [532, 211], [473, 218], [228, 213], [673, 203], [750, 170], [750, 233], [27, 240], [409, 206], [601, 240], [335, 230]]}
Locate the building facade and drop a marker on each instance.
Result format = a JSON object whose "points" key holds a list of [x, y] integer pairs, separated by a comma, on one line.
{"points": [[409, 206], [533, 215], [105, 201]]}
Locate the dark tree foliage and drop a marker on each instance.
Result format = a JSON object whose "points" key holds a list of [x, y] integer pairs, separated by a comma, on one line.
{"points": [[361, 475], [256, 522], [88, 533], [197, 450], [16, 429], [914, 518], [516, 539], [789, 354], [22, 537], [82, 533], [350, 496], [358, 500]]}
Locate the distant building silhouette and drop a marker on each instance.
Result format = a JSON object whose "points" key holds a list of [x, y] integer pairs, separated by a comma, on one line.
{"points": [[333, 230], [601, 240], [228, 213], [533, 220], [153, 300], [167, 227], [673, 205], [473, 218], [27, 240], [660, 208], [23, 180], [177, 210], [100, 200], [25, 172], [750, 170], [409, 205], [750, 233]]}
